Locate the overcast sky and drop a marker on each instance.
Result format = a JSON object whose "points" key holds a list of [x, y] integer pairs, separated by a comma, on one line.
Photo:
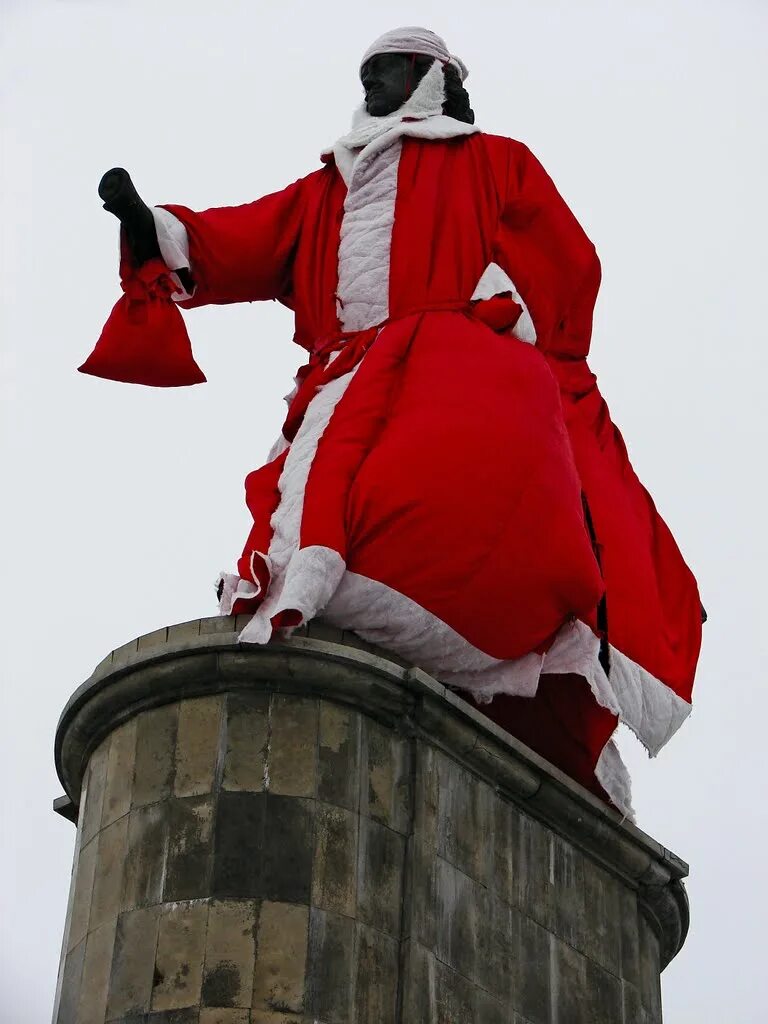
{"points": [[121, 504]]}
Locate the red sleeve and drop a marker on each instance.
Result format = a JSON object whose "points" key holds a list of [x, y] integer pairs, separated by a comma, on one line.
{"points": [[544, 250], [244, 253]]}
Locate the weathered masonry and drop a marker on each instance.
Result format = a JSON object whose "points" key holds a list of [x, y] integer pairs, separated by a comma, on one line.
{"points": [[314, 833]]}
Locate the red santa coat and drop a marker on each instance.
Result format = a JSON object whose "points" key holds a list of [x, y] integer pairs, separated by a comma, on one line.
{"points": [[429, 488]]}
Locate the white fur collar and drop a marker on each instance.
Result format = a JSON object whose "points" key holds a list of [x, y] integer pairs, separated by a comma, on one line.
{"points": [[421, 116]]}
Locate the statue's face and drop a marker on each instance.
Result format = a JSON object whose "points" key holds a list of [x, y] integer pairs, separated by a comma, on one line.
{"points": [[389, 79]]}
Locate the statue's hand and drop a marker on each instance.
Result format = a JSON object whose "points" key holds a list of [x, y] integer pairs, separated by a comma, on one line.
{"points": [[120, 197]]}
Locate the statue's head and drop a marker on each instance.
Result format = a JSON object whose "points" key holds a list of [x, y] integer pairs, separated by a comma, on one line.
{"points": [[393, 67]]}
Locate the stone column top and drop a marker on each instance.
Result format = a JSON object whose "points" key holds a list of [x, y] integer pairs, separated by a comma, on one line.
{"points": [[204, 657]]}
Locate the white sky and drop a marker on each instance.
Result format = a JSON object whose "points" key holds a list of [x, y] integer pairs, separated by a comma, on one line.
{"points": [[121, 504]]}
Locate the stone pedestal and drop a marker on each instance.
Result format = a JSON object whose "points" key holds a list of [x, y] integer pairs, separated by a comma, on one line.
{"points": [[314, 833]]}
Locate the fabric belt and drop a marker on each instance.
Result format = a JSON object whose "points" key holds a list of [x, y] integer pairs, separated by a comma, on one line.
{"points": [[498, 313]]}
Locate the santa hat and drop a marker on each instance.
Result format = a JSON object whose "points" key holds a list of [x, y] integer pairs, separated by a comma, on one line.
{"points": [[412, 39]]}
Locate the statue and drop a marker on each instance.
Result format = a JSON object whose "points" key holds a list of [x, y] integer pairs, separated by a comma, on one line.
{"points": [[448, 482]]}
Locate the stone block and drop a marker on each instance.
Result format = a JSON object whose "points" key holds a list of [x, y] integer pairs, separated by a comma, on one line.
{"points": [[571, 913], [426, 794], [130, 986], [422, 909], [503, 849], [334, 873], [238, 863], [184, 632], [188, 1015], [189, 855], [288, 849], [155, 755], [381, 855], [338, 761], [145, 859], [218, 625], [151, 641], [272, 1017], [197, 745], [465, 814], [530, 978], [108, 877], [496, 948], [246, 742], [330, 967], [92, 800], [386, 791], [458, 918], [375, 999], [650, 973], [292, 752], [71, 985], [225, 1015], [601, 929], [418, 983], [582, 992], [180, 952], [488, 1010], [83, 892], [629, 925], [632, 1006], [125, 655], [533, 884], [229, 953], [279, 973], [455, 997], [94, 989], [119, 781]]}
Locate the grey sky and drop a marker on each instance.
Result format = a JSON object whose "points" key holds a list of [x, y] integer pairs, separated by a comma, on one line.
{"points": [[121, 504]]}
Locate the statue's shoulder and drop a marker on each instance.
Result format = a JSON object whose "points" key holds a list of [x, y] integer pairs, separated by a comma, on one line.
{"points": [[501, 145]]}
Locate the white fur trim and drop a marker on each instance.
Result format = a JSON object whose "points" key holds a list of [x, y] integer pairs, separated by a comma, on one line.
{"points": [[234, 588], [174, 246], [369, 208], [301, 575], [366, 240], [613, 776], [495, 281], [310, 579], [369, 134], [653, 711], [383, 616]]}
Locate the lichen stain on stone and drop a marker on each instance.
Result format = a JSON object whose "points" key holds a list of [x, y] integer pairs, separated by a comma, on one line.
{"points": [[221, 985], [335, 731]]}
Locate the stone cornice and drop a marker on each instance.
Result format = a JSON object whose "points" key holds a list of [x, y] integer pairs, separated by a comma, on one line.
{"points": [[204, 657]]}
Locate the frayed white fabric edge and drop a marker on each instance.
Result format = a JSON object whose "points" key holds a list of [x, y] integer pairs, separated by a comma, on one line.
{"points": [[234, 587], [312, 576], [652, 710], [495, 281], [613, 776], [174, 247]]}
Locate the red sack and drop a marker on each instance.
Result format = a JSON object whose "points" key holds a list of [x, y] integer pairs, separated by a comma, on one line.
{"points": [[145, 340]]}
